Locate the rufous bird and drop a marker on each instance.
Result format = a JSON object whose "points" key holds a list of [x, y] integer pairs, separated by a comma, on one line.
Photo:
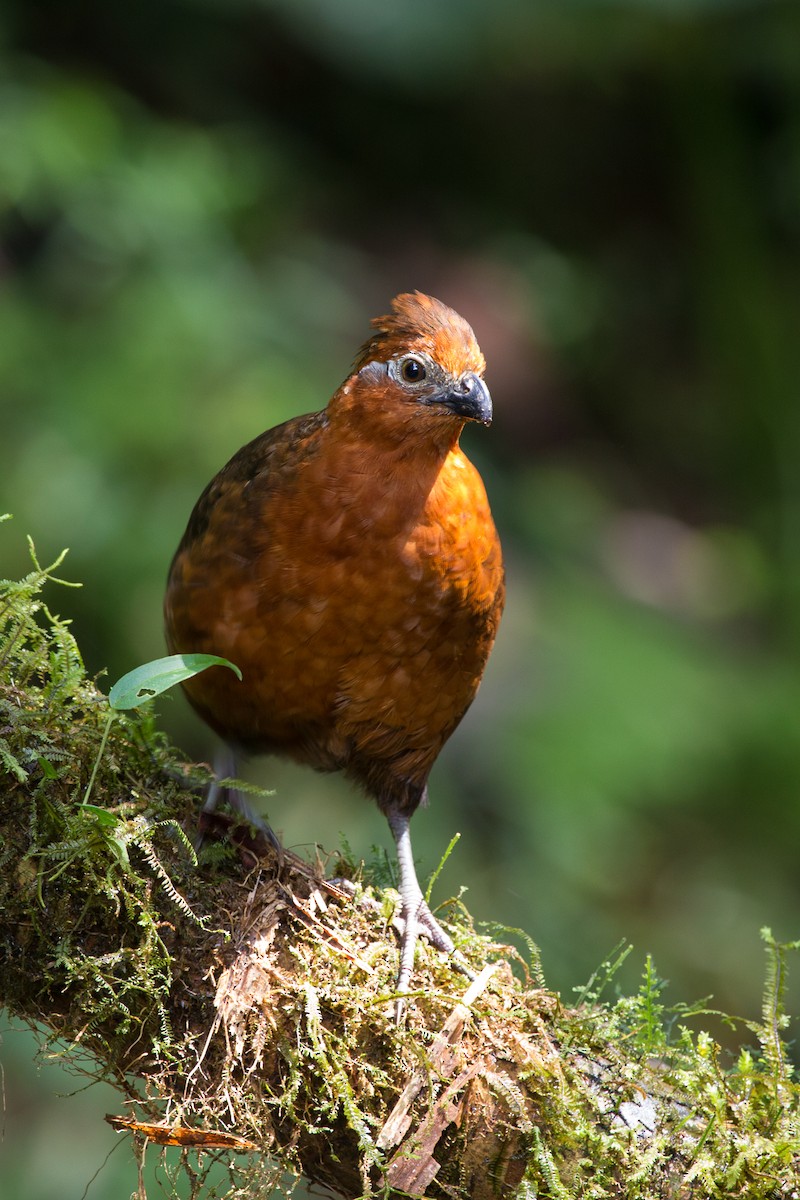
{"points": [[347, 562]]}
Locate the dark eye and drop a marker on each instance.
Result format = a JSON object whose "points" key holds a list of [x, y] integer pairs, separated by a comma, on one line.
{"points": [[412, 370]]}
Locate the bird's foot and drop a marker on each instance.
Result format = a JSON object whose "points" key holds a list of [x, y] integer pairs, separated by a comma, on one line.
{"points": [[429, 928], [253, 843], [418, 920], [409, 926], [254, 840], [427, 925]]}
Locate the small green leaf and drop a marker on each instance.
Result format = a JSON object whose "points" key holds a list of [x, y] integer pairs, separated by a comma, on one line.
{"points": [[153, 678], [103, 817]]}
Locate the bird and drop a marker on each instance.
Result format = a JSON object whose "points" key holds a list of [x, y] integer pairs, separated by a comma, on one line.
{"points": [[347, 562]]}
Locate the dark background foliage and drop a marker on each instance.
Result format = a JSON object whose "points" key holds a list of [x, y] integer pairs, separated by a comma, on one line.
{"points": [[202, 202]]}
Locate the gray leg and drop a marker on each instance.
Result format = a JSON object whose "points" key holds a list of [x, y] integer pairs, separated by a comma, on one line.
{"points": [[226, 766], [414, 911]]}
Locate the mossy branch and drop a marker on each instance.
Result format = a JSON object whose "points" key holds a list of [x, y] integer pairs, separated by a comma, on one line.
{"points": [[243, 1004]]}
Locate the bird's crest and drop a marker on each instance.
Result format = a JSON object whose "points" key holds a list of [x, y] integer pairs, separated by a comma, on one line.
{"points": [[420, 322]]}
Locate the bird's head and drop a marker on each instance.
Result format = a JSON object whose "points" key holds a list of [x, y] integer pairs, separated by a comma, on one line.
{"points": [[422, 361]]}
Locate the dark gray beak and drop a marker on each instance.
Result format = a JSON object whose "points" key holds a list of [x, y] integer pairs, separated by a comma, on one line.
{"points": [[469, 398]]}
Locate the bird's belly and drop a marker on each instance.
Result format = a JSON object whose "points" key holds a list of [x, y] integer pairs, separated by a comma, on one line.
{"points": [[370, 656]]}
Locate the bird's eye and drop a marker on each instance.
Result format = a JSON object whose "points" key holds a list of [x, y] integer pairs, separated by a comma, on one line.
{"points": [[412, 370]]}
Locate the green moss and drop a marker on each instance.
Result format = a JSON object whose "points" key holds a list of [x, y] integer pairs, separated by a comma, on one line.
{"points": [[247, 1002]]}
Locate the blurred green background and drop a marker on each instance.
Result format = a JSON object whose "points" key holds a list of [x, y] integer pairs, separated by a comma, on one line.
{"points": [[203, 202]]}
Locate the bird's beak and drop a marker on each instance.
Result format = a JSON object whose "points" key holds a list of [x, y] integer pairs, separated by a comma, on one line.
{"points": [[469, 398]]}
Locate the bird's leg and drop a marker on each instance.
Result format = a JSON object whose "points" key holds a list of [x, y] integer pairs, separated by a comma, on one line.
{"points": [[226, 766], [414, 911]]}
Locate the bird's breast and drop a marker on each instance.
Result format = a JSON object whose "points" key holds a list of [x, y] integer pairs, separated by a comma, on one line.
{"points": [[361, 607]]}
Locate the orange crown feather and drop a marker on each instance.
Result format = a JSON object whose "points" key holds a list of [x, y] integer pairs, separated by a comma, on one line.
{"points": [[420, 322]]}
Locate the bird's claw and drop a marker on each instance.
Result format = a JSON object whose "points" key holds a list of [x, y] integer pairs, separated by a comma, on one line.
{"points": [[424, 924]]}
